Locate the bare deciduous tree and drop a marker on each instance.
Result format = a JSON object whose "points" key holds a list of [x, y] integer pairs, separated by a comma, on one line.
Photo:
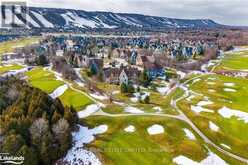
{"points": [[60, 128], [38, 129]]}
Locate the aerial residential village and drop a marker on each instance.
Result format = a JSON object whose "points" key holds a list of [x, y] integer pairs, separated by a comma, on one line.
{"points": [[115, 61]]}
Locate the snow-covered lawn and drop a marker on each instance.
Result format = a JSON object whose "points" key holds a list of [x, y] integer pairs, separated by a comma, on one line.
{"points": [[130, 128], [59, 91], [155, 129], [189, 134], [139, 96], [229, 90], [228, 113], [212, 159], [213, 126], [77, 154], [133, 110], [89, 110], [199, 109]]}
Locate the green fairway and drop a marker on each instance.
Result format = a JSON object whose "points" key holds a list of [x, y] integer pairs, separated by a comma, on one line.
{"points": [[43, 80], [9, 46], [234, 61], [120, 147], [234, 100], [233, 131], [7, 68], [75, 99]]}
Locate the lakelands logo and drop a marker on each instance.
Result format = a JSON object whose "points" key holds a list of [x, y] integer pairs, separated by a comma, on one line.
{"points": [[6, 158], [13, 14]]}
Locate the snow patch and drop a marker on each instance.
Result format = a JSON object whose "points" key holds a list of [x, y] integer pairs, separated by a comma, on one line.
{"points": [[181, 74], [90, 109], [212, 159], [155, 129], [133, 110], [228, 113], [229, 84], [158, 109], [98, 96], [212, 90], [43, 20], [15, 72], [130, 128], [211, 83], [199, 109], [163, 90], [229, 90], [213, 126], [59, 91], [77, 154], [189, 134], [204, 103]]}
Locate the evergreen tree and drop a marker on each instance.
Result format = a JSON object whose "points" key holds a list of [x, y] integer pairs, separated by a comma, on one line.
{"points": [[123, 88]]}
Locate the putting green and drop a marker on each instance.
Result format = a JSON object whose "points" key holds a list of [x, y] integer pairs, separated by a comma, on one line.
{"points": [[75, 99], [7, 68], [42, 79]]}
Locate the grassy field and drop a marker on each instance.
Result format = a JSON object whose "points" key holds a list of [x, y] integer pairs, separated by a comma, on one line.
{"points": [[7, 68], [43, 80], [234, 61], [9, 46], [120, 147], [75, 99], [233, 132]]}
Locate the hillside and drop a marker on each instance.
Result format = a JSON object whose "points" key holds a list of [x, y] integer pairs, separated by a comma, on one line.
{"points": [[79, 19]]}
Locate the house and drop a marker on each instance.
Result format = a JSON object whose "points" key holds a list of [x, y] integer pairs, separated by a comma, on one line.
{"points": [[123, 78], [154, 70], [111, 75], [133, 57], [121, 75]]}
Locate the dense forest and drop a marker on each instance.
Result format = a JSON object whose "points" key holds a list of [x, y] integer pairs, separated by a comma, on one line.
{"points": [[32, 124]]}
